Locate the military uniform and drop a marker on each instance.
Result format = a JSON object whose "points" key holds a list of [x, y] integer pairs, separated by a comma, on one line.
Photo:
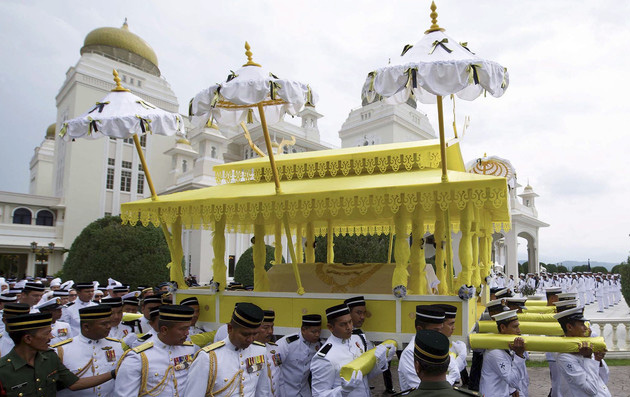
{"points": [[20, 379], [296, 354], [87, 357], [6, 345], [71, 315], [60, 332]]}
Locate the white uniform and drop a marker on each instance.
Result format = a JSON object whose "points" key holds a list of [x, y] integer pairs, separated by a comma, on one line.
{"points": [[60, 332], [274, 364], [582, 376], [118, 332], [500, 373], [70, 315], [407, 376], [239, 372], [195, 330], [221, 334], [6, 344], [296, 354], [85, 357], [458, 352], [167, 369], [327, 362]]}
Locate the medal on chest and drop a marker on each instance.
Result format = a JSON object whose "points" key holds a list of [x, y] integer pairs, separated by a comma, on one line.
{"points": [[62, 332], [359, 347], [110, 354], [254, 364], [182, 362], [275, 357], [125, 332]]}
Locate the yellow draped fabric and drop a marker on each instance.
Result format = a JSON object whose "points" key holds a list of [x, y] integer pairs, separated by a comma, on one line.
{"points": [[527, 327], [552, 344], [364, 363]]}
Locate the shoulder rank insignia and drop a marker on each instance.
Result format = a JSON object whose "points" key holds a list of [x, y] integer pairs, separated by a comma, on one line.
{"points": [[324, 350], [63, 342], [143, 347], [144, 337], [272, 343], [187, 343], [465, 391], [113, 339], [258, 343], [292, 338], [213, 346]]}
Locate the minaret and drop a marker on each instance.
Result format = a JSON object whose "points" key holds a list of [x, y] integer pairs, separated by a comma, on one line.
{"points": [[309, 122], [529, 197]]}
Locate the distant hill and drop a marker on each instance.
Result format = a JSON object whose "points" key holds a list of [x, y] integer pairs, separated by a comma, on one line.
{"points": [[571, 264]]}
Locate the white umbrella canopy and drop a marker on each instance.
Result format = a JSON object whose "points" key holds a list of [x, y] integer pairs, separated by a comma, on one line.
{"points": [[436, 65], [121, 114], [492, 165], [233, 101]]}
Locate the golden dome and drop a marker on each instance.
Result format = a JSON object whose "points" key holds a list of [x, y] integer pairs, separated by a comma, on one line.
{"points": [[121, 44], [183, 141], [50, 131]]}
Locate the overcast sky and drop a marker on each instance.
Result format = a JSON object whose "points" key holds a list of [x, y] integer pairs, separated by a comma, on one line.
{"points": [[563, 122]]}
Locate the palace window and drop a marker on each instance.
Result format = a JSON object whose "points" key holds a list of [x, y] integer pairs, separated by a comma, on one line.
{"points": [[126, 164], [44, 218], [184, 165], [22, 216], [109, 184], [140, 189], [125, 181]]}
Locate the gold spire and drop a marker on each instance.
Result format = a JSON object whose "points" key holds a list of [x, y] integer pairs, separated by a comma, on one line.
{"points": [[125, 25], [118, 88], [250, 62], [434, 25]]}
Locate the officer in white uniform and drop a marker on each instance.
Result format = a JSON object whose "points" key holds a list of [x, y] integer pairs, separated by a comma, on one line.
{"points": [[428, 317], [11, 310], [222, 332], [117, 330], [161, 366], [341, 348], [235, 365], [60, 330], [85, 293], [135, 340], [502, 370], [4, 299], [148, 303], [92, 352], [193, 302], [583, 373], [296, 352], [457, 349], [273, 360]]}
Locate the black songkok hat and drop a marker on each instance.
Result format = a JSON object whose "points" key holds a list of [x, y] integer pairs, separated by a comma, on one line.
{"points": [[431, 347], [450, 311], [96, 312], [337, 311], [311, 320], [355, 301], [192, 301], [29, 321], [176, 313], [79, 286], [33, 287], [61, 292], [269, 316], [16, 309], [248, 315], [154, 312], [112, 302], [124, 288], [152, 299], [7, 298], [431, 314], [133, 301]]}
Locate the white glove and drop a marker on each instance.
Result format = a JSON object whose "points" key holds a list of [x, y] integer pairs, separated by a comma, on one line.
{"points": [[356, 380], [380, 353], [391, 351]]}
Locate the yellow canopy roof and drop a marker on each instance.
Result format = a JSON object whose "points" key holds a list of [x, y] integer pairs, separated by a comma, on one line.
{"points": [[356, 203]]}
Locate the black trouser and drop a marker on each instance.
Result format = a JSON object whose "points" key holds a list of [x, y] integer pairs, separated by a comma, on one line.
{"points": [[387, 379], [475, 371]]}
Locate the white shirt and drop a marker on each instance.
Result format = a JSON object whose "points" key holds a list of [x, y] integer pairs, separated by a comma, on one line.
{"points": [[60, 332], [296, 354], [85, 357], [500, 373], [221, 334], [70, 315], [580, 376], [118, 332], [239, 372], [167, 366], [274, 363], [6, 344], [327, 363], [407, 376]]}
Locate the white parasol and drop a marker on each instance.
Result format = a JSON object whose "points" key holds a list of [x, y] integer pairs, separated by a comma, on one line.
{"points": [[491, 165]]}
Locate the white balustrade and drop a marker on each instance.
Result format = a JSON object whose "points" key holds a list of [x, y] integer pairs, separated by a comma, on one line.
{"points": [[610, 333]]}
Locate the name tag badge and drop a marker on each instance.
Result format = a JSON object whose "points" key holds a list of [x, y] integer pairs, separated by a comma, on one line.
{"points": [[21, 385]]}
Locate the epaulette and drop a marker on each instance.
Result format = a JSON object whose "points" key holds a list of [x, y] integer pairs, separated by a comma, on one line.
{"points": [[187, 343], [213, 346], [69, 304], [63, 342], [144, 337], [292, 338], [258, 343], [466, 391], [113, 339], [143, 347], [324, 350], [272, 343]]}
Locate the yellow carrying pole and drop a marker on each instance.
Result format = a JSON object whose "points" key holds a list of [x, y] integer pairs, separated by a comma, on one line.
{"points": [[272, 160], [136, 141], [442, 139], [391, 244], [294, 261]]}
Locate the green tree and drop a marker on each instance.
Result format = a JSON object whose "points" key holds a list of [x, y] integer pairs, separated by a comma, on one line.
{"points": [[562, 269], [551, 268], [244, 270], [599, 269], [580, 268], [624, 272], [355, 249], [133, 255], [523, 268]]}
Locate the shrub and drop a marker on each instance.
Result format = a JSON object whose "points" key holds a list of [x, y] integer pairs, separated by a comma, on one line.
{"points": [[244, 270], [133, 255], [624, 271], [355, 249]]}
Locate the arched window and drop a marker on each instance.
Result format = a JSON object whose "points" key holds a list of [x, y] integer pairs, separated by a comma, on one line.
{"points": [[213, 152], [184, 166], [44, 218], [22, 216]]}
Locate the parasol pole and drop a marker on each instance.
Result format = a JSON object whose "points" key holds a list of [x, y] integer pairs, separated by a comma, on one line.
{"points": [[442, 139], [272, 160]]}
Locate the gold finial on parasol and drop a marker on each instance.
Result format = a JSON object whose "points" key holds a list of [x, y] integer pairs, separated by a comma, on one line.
{"points": [[118, 86], [250, 62], [434, 25]]}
